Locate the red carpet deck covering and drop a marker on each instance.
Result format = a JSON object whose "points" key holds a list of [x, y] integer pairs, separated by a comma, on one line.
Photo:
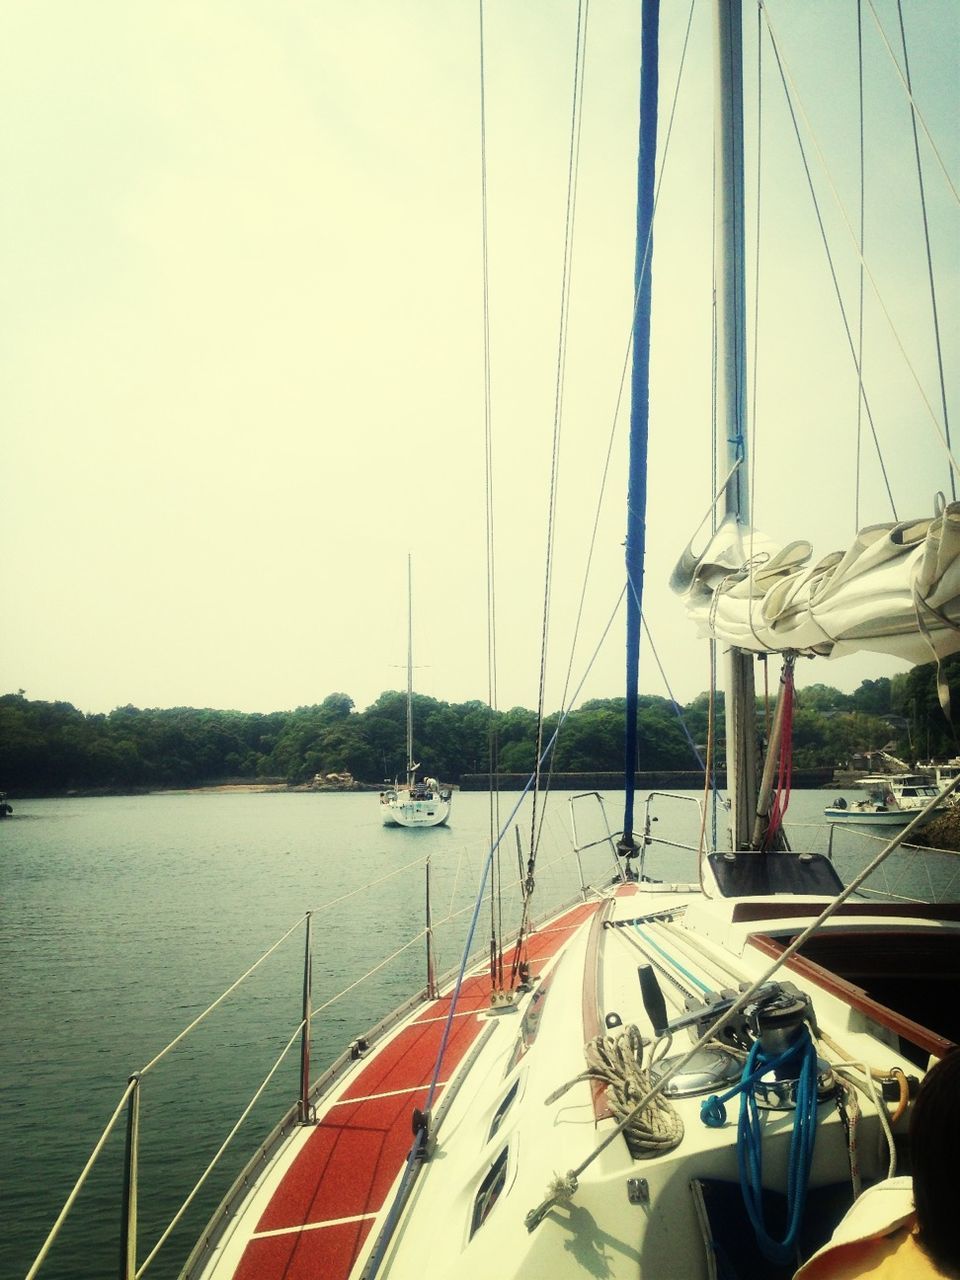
{"points": [[325, 1206]]}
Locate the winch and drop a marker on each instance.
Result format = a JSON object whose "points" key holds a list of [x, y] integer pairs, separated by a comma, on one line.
{"points": [[774, 1021]]}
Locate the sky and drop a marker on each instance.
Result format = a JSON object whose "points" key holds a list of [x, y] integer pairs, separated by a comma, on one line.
{"points": [[241, 336]]}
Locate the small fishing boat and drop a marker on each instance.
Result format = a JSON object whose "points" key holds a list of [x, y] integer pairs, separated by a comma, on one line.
{"points": [[414, 803], [893, 800]]}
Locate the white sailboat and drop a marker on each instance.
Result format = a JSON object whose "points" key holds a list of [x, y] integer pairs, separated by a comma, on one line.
{"points": [[569, 1121], [569, 1113], [414, 803]]}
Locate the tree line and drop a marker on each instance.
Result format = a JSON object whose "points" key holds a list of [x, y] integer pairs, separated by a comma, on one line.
{"points": [[53, 748]]}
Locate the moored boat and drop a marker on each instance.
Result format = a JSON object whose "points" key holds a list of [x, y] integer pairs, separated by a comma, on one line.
{"points": [[892, 800], [414, 803]]}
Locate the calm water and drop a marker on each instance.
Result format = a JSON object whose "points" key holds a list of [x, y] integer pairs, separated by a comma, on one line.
{"points": [[121, 919]]}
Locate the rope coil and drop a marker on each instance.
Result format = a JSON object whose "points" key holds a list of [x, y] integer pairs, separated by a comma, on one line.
{"points": [[618, 1059]]}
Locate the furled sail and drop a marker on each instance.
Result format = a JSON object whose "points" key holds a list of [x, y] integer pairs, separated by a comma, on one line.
{"points": [[896, 590]]}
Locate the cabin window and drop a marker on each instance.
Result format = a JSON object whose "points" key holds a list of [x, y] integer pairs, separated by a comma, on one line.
{"points": [[489, 1192], [503, 1108]]}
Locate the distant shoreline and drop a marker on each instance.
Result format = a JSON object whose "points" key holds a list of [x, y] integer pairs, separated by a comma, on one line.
{"points": [[214, 788]]}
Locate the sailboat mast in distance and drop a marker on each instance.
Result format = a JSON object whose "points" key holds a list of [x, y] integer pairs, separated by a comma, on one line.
{"points": [[411, 803], [410, 764]]}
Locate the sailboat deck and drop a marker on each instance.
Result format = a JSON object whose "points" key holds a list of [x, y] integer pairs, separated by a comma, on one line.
{"points": [[325, 1205]]}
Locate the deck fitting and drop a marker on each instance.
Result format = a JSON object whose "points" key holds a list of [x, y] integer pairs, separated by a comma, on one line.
{"points": [[638, 1191]]}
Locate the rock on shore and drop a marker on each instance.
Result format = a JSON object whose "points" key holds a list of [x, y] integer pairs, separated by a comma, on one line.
{"points": [[943, 831]]}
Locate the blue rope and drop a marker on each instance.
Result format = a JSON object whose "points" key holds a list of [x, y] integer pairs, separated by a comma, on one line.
{"points": [[691, 977], [749, 1140]]}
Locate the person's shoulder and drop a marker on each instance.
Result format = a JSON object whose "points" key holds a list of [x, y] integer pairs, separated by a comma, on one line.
{"points": [[879, 1211]]}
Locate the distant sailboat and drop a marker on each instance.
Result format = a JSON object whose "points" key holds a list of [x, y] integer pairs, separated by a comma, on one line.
{"points": [[413, 803]]}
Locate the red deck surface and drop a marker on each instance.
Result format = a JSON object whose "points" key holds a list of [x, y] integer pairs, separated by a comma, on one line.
{"points": [[324, 1208]]}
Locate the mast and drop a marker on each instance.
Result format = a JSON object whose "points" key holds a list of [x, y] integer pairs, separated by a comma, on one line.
{"points": [[410, 764], [730, 296], [640, 395]]}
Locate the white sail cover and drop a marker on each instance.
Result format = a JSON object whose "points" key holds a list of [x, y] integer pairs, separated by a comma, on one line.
{"points": [[895, 591]]}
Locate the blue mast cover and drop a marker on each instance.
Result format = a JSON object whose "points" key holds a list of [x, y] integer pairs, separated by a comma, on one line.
{"points": [[640, 390]]}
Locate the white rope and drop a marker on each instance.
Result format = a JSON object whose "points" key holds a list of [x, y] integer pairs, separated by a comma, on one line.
{"points": [[618, 1059], [369, 974], [219, 1000], [868, 1086], [650, 1128], [71, 1198], [914, 108]]}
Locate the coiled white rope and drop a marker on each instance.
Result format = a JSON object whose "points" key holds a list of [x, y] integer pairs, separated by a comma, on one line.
{"points": [[618, 1059], [649, 1130]]}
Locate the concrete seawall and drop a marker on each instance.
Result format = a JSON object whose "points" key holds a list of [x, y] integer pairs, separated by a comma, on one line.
{"points": [[654, 780]]}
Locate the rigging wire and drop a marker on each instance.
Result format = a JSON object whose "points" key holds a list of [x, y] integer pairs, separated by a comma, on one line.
{"points": [[913, 106], [583, 9], [926, 240], [565, 711], [714, 478], [666, 683], [493, 745], [790, 97], [605, 472], [859, 445], [793, 98]]}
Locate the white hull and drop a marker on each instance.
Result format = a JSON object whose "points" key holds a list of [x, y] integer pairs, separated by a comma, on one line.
{"points": [[504, 1107], [870, 818], [895, 800], [399, 810]]}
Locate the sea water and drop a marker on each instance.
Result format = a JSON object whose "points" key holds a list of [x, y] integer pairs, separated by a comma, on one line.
{"points": [[123, 919]]}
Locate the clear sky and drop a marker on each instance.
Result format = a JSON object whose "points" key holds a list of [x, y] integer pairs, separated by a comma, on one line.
{"points": [[241, 362]]}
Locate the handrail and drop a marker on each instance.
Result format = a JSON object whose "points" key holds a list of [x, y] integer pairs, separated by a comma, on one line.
{"points": [[923, 855], [579, 848], [216, 1159], [220, 999], [370, 972], [71, 1198], [130, 1095]]}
